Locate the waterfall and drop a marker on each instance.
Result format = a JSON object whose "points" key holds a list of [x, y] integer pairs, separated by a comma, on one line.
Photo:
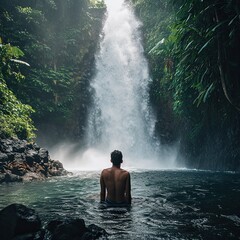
{"points": [[120, 116]]}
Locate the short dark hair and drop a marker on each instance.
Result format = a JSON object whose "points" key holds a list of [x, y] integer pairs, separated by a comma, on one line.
{"points": [[116, 157]]}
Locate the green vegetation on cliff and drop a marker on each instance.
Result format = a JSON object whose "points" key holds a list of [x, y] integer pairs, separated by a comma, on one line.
{"points": [[193, 48], [58, 39], [15, 118]]}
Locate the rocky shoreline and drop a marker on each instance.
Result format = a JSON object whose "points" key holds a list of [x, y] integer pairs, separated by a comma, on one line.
{"points": [[20, 222], [22, 161]]}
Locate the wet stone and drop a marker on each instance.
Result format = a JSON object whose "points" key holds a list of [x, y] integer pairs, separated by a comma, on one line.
{"points": [[3, 157]]}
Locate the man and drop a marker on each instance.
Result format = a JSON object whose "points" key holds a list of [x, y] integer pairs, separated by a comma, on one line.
{"points": [[115, 183]]}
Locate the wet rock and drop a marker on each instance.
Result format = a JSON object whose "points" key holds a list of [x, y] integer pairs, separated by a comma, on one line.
{"points": [[18, 168], [11, 156], [2, 177], [19, 157], [35, 146], [74, 229], [32, 156], [3, 157], [43, 154], [31, 176], [56, 168], [19, 147], [17, 220], [6, 145], [26, 162], [67, 229], [12, 178], [95, 232]]}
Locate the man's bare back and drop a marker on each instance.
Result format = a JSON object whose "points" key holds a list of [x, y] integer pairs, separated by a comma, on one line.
{"points": [[115, 184]]}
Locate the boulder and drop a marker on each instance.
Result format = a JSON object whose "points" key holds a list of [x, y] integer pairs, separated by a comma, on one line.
{"points": [[11, 156], [32, 156], [19, 147], [17, 220], [43, 154], [3, 157], [9, 177], [18, 168], [74, 229], [19, 157], [30, 176], [2, 177], [6, 145], [67, 229], [95, 232], [56, 168], [35, 146]]}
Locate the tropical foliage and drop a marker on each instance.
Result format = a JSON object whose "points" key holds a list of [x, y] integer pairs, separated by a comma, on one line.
{"points": [[15, 118], [198, 63], [59, 39]]}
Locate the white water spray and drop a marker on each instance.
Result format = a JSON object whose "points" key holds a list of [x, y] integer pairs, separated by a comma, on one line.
{"points": [[121, 117]]}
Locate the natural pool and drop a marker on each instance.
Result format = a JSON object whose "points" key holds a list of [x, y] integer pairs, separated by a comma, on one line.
{"points": [[183, 204]]}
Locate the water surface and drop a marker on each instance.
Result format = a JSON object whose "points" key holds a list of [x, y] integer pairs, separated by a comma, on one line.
{"points": [[166, 204]]}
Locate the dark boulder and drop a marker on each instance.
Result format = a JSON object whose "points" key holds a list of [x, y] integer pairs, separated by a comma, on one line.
{"points": [[17, 220], [67, 229], [43, 154], [2, 177], [74, 229], [9, 177], [11, 156], [35, 146], [3, 157], [19, 146], [6, 145], [32, 156], [19, 157], [95, 232]]}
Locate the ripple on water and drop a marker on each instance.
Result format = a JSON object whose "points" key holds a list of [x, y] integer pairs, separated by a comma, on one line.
{"points": [[166, 205]]}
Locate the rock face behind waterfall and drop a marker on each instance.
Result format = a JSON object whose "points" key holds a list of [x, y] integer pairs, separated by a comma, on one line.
{"points": [[19, 222], [24, 161]]}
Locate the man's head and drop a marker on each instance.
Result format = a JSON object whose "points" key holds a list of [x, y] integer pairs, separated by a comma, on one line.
{"points": [[116, 158]]}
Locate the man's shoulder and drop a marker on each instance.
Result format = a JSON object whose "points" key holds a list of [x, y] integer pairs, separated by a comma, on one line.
{"points": [[106, 170], [125, 172]]}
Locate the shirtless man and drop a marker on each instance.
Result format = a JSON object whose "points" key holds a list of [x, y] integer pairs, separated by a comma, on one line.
{"points": [[115, 182]]}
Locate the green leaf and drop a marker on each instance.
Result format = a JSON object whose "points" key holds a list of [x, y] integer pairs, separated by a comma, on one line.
{"points": [[19, 61], [209, 90], [205, 45]]}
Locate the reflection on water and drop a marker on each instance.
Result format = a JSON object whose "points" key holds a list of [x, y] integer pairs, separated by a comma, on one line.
{"points": [[166, 204]]}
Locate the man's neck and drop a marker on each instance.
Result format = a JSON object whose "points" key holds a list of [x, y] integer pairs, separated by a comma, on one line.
{"points": [[116, 166]]}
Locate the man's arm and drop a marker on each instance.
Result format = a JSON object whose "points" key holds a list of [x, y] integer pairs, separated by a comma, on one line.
{"points": [[103, 189], [128, 189]]}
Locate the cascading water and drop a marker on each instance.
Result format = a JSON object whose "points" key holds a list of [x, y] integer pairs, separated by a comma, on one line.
{"points": [[120, 116]]}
